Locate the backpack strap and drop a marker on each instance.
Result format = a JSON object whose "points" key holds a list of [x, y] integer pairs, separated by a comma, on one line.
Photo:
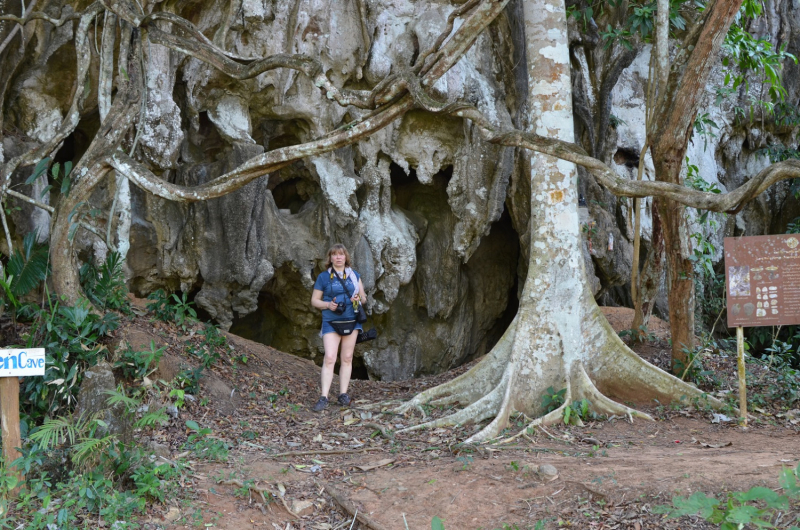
{"points": [[347, 272]]}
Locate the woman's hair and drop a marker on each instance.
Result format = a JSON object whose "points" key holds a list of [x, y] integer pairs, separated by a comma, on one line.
{"points": [[338, 248]]}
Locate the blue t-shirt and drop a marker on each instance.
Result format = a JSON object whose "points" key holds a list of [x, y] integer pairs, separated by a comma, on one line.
{"points": [[332, 288]]}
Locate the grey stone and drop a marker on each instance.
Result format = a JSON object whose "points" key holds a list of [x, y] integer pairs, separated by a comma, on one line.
{"points": [[93, 400]]}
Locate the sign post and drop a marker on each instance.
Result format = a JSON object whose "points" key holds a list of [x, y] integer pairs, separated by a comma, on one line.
{"points": [[742, 373], [15, 364], [762, 277]]}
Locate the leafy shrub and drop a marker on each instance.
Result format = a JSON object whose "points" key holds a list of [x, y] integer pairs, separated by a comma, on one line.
{"points": [[757, 506], [171, 308], [105, 287], [72, 338], [203, 445], [26, 270], [783, 379], [578, 411], [208, 351], [139, 364], [188, 380]]}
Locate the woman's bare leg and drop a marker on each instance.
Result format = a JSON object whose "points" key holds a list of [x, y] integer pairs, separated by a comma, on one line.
{"points": [[346, 366], [331, 343]]}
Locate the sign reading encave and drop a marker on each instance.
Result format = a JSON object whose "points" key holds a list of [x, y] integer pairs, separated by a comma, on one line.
{"points": [[21, 363], [762, 276]]}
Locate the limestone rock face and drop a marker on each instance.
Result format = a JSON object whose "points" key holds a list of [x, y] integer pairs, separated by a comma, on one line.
{"points": [[436, 219]]}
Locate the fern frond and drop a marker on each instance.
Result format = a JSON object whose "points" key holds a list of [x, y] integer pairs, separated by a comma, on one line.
{"points": [[88, 450], [56, 431], [152, 418], [118, 396], [29, 268]]}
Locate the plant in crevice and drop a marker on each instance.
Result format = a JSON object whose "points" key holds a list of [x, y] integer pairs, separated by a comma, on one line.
{"points": [[552, 399], [105, 287], [172, 308]]}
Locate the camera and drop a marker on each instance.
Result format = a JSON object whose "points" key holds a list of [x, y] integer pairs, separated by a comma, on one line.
{"points": [[339, 308]]}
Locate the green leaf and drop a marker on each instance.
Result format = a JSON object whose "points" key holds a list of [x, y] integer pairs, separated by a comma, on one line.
{"points": [[29, 267], [38, 170], [770, 498], [743, 514], [437, 524], [65, 185], [698, 503], [191, 424]]}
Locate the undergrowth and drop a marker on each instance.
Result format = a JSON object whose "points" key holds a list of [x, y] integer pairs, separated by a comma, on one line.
{"points": [[84, 471]]}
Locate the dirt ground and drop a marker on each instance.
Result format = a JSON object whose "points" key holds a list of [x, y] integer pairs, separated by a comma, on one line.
{"points": [[317, 470]]}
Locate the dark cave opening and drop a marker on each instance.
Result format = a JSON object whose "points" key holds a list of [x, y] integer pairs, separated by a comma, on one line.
{"points": [[628, 157], [504, 227], [76, 144], [269, 325], [427, 207], [287, 196]]}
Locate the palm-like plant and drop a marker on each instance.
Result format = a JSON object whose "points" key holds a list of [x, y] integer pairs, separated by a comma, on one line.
{"points": [[26, 269]]}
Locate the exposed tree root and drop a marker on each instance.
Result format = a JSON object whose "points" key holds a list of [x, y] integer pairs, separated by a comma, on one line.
{"points": [[608, 365], [470, 386]]}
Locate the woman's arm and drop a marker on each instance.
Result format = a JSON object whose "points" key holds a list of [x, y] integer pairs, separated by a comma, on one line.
{"points": [[361, 292], [319, 303]]}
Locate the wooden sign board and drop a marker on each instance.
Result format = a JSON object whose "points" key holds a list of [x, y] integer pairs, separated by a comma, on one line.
{"points": [[22, 363], [762, 278]]}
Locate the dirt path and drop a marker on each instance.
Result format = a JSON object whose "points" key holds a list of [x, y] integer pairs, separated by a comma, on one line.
{"points": [[610, 474]]}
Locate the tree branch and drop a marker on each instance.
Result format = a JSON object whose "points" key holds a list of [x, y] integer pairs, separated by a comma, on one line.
{"points": [[211, 55], [677, 110], [260, 165]]}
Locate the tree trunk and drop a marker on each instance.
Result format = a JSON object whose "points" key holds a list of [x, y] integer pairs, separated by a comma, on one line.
{"points": [[559, 337], [651, 275], [680, 282], [674, 120]]}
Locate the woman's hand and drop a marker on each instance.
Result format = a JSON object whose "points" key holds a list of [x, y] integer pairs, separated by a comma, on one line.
{"points": [[332, 305]]}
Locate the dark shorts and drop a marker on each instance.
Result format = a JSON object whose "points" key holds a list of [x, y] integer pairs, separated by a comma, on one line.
{"points": [[327, 328]]}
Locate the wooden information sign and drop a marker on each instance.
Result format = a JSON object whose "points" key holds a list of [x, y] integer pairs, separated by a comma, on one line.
{"points": [[763, 279], [15, 364]]}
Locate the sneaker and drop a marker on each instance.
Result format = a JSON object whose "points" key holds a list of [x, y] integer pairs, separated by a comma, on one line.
{"points": [[321, 404], [344, 400]]}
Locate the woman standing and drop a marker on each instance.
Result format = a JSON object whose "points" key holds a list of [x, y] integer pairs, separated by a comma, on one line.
{"points": [[336, 290]]}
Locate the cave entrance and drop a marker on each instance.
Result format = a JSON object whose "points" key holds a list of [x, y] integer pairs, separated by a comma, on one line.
{"points": [[271, 325]]}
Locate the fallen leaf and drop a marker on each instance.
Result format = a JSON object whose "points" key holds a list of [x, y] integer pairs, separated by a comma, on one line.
{"points": [[717, 418]]}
